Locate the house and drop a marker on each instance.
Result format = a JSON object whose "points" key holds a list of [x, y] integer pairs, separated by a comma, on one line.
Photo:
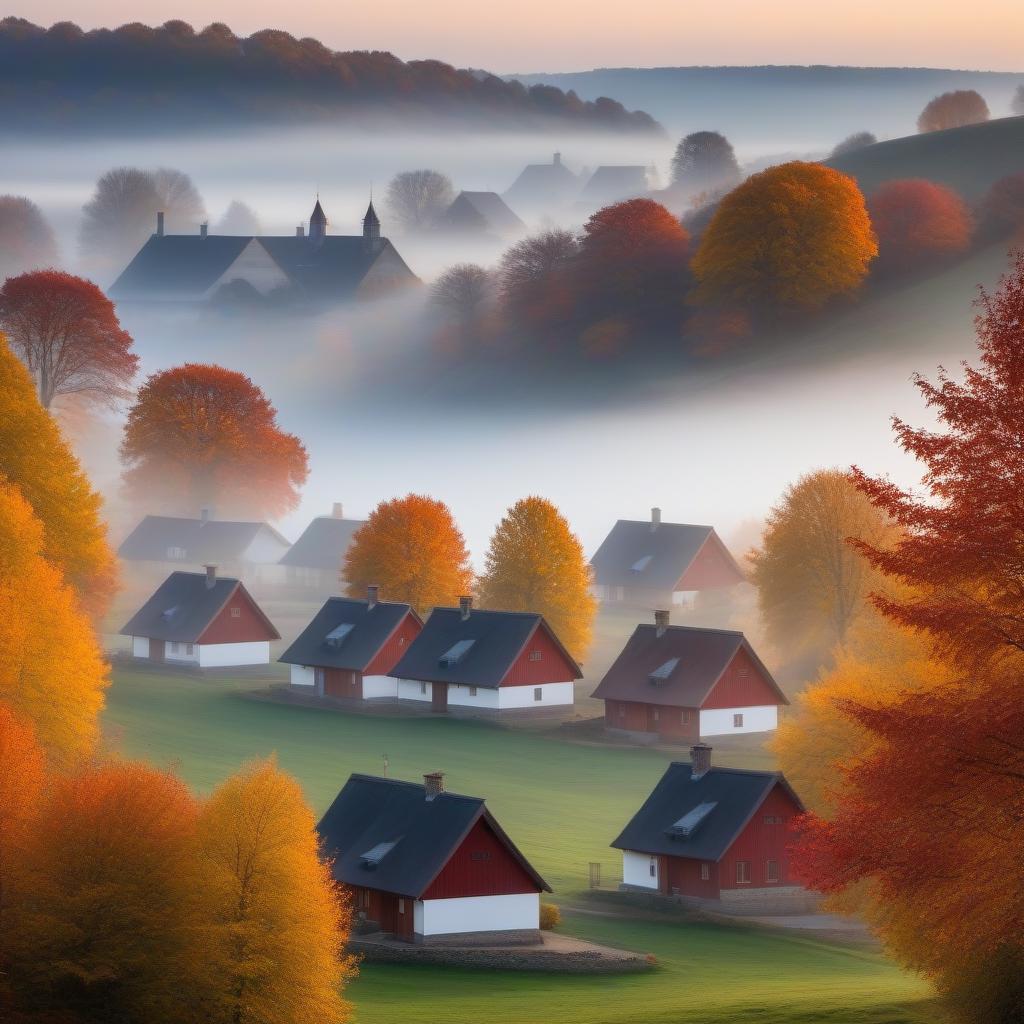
{"points": [[201, 619], [611, 184], [492, 660], [654, 563], [480, 213], [350, 647], [543, 186], [316, 269], [710, 835], [683, 682], [316, 559], [429, 866]]}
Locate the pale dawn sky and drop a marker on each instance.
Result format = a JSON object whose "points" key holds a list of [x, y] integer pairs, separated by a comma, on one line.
{"points": [[538, 35]]}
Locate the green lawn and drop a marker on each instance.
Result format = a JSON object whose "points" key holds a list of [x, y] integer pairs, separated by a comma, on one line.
{"points": [[563, 803]]}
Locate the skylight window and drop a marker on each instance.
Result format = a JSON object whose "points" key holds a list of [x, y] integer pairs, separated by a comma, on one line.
{"points": [[456, 653], [168, 613], [692, 820], [336, 637], [376, 854], [642, 563], [662, 672]]}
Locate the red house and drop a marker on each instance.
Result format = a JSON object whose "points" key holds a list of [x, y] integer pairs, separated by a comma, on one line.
{"points": [[714, 834], [683, 682], [428, 866]]}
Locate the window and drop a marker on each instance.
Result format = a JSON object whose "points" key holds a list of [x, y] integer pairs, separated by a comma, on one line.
{"points": [[743, 872], [472, 691], [622, 711], [535, 655], [423, 687], [401, 641], [190, 649], [480, 855], [538, 693], [175, 554], [771, 871], [737, 721], [705, 872], [655, 714], [653, 868], [774, 819], [744, 671], [401, 905], [687, 716], [236, 612]]}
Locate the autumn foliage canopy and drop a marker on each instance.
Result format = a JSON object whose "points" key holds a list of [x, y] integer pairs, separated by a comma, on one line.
{"points": [[953, 110]]}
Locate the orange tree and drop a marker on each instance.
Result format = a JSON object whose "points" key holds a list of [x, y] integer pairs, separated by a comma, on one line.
{"points": [[202, 435], [788, 239], [953, 110]]}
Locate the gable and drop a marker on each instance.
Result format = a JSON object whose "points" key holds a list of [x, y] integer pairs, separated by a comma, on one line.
{"points": [[256, 267], [542, 660], [395, 646], [239, 621], [758, 839], [744, 683], [386, 273], [713, 566]]}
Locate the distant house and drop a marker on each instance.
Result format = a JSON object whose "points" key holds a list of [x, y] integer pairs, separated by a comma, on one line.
{"points": [[493, 660], [316, 559], [350, 646], [611, 184], [543, 186], [201, 619], [316, 268], [480, 213], [682, 682], [428, 866], [655, 563], [714, 835]]}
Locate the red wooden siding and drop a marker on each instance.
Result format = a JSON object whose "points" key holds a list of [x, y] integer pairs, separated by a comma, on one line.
{"points": [[248, 626], [742, 685], [394, 647], [481, 866], [668, 722], [340, 682], [551, 668], [711, 568], [760, 842], [682, 876], [386, 909]]}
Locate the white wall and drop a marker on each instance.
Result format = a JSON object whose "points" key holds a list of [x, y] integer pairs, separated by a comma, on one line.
{"points": [[175, 651], [380, 686], [498, 699], [552, 695], [409, 689], [265, 547], [477, 914], [636, 869], [226, 655], [302, 675], [140, 646], [720, 721]]}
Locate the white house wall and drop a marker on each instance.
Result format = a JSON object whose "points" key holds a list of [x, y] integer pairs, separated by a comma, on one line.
{"points": [[551, 695], [140, 646], [256, 652], [502, 698], [636, 869], [265, 548], [514, 912], [379, 686], [302, 675], [719, 722], [412, 689], [181, 653]]}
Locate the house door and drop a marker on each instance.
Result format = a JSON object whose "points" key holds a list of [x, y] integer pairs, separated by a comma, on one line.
{"points": [[404, 919], [342, 683], [439, 697], [156, 650], [653, 719]]}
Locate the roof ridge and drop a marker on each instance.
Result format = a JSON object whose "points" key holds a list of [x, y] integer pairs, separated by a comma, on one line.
{"points": [[694, 629], [416, 785], [766, 772], [201, 576], [490, 611], [665, 522]]}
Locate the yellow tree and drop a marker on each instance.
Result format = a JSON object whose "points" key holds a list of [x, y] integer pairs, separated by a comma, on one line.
{"points": [[52, 671], [413, 550], [535, 563], [35, 457], [278, 922]]}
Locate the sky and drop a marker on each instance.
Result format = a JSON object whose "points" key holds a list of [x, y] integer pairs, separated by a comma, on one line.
{"points": [[537, 35]]}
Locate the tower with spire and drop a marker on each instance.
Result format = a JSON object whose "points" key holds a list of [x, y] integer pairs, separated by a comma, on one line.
{"points": [[371, 227], [317, 224]]}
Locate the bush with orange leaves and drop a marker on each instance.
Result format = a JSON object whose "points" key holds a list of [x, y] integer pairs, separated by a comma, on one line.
{"points": [[953, 110]]}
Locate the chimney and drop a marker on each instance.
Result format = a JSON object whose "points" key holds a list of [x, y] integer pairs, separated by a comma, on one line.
{"points": [[433, 783], [371, 595], [211, 576], [160, 224], [204, 514], [203, 230], [660, 622], [465, 607], [700, 757], [337, 512], [300, 231], [655, 518], [557, 160]]}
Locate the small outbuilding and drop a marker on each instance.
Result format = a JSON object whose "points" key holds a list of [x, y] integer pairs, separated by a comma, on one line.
{"points": [[201, 619], [613, 183]]}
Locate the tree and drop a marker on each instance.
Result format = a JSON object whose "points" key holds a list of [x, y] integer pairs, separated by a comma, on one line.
{"points": [[179, 199], [238, 219], [633, 263], [52, 671], [790, 238], [535, 563], [953, 110], [417, 198], [858, 140], [463, 293], [536, 280], [413, 550], [26, 239], [704, 161], [200, 435], [68, 334], [918, 223], [1001, 211], [812, 585], [35, 458], [279, 922]]}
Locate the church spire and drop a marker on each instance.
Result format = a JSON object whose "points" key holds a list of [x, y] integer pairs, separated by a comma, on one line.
{"points": [[317, 224], [371, 225]]}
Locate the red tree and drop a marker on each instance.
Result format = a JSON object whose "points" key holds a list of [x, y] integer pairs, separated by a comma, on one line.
{"points": [[67, 332], [918, 222]]}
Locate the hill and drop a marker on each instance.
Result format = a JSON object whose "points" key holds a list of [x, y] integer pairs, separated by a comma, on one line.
{"points": [[172, 77]]}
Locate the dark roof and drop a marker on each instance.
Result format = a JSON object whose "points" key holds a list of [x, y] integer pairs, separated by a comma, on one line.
{"points": [[539, 183], [735, 793], [336, 265], [371, 628], [183, 606], [615, 182], [639, 553], [412, 837], [202, 540], [322, 545], [481, 211], [700, 656], [178, 266], [498, 638]]}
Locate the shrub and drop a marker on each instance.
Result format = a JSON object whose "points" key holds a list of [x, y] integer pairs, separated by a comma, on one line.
{"points": [[550, 917]]}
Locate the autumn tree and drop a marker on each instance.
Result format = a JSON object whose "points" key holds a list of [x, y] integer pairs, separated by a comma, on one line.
{"points": [[200, 435], [67, 333], [35, 458], [27, 241], [852, 143], [238, 219], [1001, 210], [704, 161], [536, 280], [278, 922], [918, 223], [953, 110], [535, 563], [790, 238], [462, 294], [413, 550], [415, 199]]}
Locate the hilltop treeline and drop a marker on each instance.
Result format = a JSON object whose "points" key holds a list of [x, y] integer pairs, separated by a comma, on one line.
{"points": [[173, 76]]}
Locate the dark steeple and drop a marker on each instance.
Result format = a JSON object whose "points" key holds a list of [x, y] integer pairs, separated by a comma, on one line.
{"points": [[317, 224], [371, 225]]}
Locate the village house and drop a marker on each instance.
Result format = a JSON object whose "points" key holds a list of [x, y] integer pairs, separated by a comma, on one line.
{"points": [[612, 184], [315, 561], [350, 647], [543, 187], [480, 214], [429, 866], [489, 660], [655, 564], [715, 836], [201, 619], [677, 683], [315, 268]]}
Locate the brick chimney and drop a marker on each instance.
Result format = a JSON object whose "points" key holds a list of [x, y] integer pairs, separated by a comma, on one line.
{"points": [[371, 595], [204, 514], [204, 230], [465, 607], [160, 224], [655, 518], [557, 159], [300, 230], [337, 511], [700, 757], [211, 576], [660, 622], [433, 783]]}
